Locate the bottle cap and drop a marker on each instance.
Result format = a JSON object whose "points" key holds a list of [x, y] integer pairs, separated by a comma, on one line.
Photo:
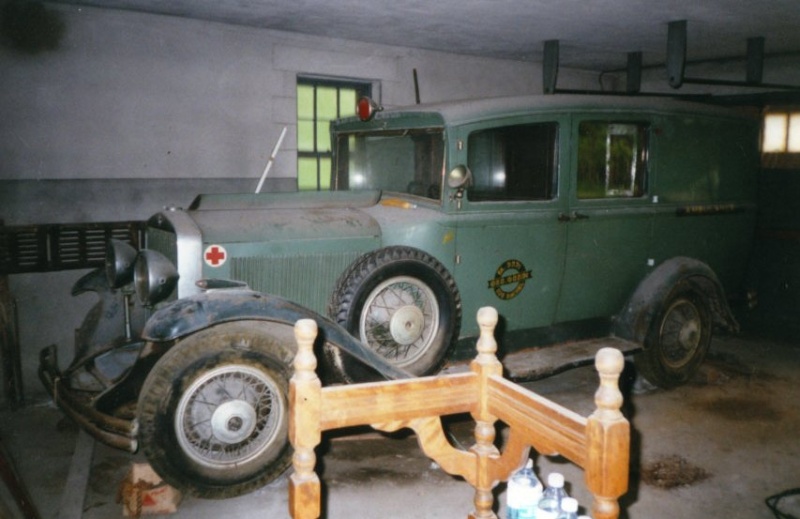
{"points": [[569, 504], [555, 479]]}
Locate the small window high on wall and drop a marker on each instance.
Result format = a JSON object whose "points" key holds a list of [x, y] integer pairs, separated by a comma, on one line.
{"points": [[320, 101], [781, 132], [780, 138]]}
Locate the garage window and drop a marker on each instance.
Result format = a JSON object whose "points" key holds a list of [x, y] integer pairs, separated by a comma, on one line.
{"points": [[781, 132], [320, 101]]}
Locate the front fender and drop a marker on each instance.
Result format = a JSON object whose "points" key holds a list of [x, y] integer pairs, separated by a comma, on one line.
{"points": [[199, 311], [647, 301]]}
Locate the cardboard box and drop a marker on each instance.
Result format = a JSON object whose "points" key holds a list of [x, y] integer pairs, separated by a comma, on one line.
{"points": [[144, 493]]}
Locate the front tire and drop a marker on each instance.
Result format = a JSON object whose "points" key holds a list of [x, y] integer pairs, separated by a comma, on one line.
{"points": [[401, 303], [213, 412], [678, 339]]}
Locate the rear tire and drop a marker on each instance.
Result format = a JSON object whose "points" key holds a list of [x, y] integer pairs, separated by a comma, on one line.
{"points": [[678, 339], [213, 412]]}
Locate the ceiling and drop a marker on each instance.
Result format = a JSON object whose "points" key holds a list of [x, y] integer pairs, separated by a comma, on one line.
{"points": [[593, 34]]}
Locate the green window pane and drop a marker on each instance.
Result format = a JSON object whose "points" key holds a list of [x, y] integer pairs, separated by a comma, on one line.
{"points": [[306, 174], [326, 103], [305, 135], [305, 102], [323, 136], [325, 173], [347, 102]]}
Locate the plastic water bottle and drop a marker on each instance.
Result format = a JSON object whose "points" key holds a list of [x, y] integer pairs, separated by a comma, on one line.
{"points": [[523, 493], [550, 503], [569, 508]]}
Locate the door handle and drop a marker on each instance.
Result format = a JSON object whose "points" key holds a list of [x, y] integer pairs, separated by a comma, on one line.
{"points": [[571, 217]]}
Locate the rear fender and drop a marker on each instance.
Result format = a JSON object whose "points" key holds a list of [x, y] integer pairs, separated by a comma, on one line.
{"points": [[650, 296], [200, 311]]}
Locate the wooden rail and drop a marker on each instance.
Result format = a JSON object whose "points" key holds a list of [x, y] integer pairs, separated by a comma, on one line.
{"points": [[599, 444]]}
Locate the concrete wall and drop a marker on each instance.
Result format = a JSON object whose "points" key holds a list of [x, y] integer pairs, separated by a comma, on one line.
{"points": [[134, 112]]}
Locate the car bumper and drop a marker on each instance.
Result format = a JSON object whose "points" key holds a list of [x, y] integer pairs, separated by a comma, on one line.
{"points": [[111, 430]]}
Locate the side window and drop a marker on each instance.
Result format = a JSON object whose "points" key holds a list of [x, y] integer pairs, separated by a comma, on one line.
{"points": [[320, 101], [513, 162], [612, 159]]}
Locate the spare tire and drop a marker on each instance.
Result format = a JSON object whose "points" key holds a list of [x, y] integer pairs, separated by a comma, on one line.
{"points": [[403, 304]]}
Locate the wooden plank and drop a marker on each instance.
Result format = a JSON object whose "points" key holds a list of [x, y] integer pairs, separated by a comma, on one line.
{"points": [[535, 363], [552, 428], [397, 400], [78, 478]]}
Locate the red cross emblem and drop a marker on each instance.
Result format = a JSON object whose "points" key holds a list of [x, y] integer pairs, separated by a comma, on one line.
{"points": [[215, 255]]}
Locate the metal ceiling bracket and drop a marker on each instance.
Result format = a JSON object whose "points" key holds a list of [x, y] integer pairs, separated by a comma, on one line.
{"points": [[755, 60], [676, 53], [550, 66], [634, 73]]}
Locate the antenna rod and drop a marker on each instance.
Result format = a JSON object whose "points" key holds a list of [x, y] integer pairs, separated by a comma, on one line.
{"points": [[270, 161]]}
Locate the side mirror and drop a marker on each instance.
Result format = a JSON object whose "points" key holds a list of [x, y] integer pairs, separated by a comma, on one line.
{"points": [[460, 177]]}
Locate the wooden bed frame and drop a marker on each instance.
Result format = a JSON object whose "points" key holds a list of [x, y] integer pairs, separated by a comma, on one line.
{"points": [[599, 443]]}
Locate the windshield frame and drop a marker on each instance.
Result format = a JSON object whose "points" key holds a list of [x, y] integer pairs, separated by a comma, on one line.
{"points": [[340, 170]]}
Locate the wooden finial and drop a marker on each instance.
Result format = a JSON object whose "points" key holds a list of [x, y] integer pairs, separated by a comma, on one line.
{"points": [[305, 363], [487, 320], [608, 398]]}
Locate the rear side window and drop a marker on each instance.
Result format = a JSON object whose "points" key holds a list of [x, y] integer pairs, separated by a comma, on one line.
{"points": [[513, 162], [612, 159]]}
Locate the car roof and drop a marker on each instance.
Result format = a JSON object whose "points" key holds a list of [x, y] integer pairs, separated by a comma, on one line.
{"points": [[470, 110]]}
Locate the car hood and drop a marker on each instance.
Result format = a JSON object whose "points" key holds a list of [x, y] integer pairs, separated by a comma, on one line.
{"points": [[285, 216]]}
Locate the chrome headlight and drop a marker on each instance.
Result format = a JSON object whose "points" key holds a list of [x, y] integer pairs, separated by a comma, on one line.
{"points": [[155, 277], [119, 263]]}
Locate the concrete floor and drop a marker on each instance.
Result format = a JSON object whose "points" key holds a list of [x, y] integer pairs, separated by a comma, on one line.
{"points": [[736, 426]]}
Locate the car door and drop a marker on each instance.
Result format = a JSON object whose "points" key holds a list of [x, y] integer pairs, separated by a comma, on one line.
{"points": [[609, 216], [509, 243]]}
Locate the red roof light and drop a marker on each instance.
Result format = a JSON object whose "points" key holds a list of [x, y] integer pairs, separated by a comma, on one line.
{"points": [[366, 108]]}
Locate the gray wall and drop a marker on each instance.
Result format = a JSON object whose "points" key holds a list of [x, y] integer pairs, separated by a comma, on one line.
{"points": [[134, 112]]}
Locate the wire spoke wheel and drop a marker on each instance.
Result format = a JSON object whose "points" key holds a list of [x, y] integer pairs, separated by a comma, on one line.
{"points": [[214, 413], [678, 338], [400, 319], [228, 416], [681, 333]]}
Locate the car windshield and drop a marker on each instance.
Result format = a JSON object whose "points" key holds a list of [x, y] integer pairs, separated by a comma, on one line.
{"points": [[405, 161]]}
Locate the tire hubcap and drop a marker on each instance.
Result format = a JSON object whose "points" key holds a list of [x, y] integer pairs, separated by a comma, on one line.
{"points": [[407, 324], [233, 422]]}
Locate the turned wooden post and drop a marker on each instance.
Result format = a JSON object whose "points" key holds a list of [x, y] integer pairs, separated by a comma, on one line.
{"points": [[607, 439], [305, 396], [485, 365]]}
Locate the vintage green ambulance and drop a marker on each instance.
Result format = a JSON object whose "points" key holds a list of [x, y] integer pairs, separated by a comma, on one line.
{"points": [[584, 220]]}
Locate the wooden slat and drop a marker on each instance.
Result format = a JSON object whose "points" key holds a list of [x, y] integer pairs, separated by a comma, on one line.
{"points": [[551, 427], [397, 400]]}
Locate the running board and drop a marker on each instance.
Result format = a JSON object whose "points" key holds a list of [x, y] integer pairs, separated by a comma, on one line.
{"points": [[544, 361]]}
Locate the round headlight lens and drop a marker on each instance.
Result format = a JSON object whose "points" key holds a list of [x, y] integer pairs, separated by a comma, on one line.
{"points": [[155, 277], [119, 263]]}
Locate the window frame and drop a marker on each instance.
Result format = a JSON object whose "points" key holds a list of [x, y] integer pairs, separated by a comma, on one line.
{"points": [[644, 151], [555, 125]]}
